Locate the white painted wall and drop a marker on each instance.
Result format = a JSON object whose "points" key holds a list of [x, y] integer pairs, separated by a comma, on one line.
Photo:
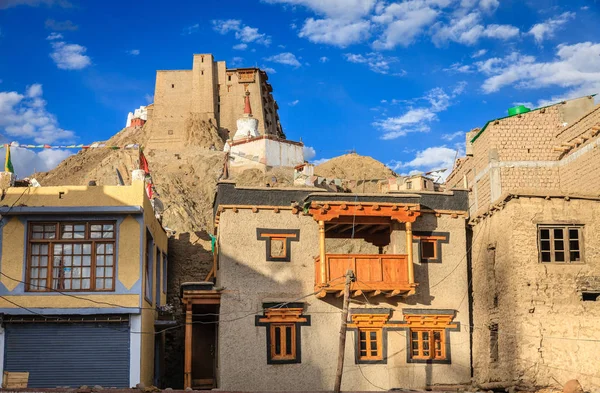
{"points": [[261, 152], [135, 349]]}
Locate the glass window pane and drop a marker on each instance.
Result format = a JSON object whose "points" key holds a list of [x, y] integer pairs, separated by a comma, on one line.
{"points": [[85, 284], [107, 227], [546, 257], [574, 245], [428, 249], [95, 227], [87, 261], [559, 245], [107, 235], [277, 340], [108, 283], [76, 284], [36, 235], [44, 249], [545, 234], [95, 235], [87, 248], [575, 256], [545, 245], [38, 228], [573, 234], [109, 271], [558, 233], [99, 283], [100, 248], [559, 257], [109, 248], [109, 260], [373, 336]]}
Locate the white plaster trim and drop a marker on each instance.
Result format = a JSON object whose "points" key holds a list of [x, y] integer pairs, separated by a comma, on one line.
{"points": [[538, 164], [135, 349], [2, 338]]}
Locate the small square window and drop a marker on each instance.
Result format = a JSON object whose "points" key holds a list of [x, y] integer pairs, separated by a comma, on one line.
{"points": [[278, 247], [560, 244], [408, 185], [428, 249]]}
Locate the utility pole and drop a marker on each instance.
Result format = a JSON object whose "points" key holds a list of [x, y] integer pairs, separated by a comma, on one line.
{"points": [[342, 348]]}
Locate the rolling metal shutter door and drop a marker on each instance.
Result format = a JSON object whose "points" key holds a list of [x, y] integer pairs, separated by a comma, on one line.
{"points": [[60, 354]]}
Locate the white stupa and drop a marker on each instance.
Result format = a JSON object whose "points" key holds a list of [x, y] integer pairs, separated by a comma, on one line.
{"points": [[247, 126]]}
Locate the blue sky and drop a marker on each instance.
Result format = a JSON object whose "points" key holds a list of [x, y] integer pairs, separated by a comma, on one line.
{"points": [[400, 81]]}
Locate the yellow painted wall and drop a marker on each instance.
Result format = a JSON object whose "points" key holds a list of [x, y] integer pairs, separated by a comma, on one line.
{"points": [[77, 195], [13, 247], [147, 367], [129, 252], [62, 301]]}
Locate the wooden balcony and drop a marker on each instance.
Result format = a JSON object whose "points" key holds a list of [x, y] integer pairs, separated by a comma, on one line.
{"points": [[376, 274]]}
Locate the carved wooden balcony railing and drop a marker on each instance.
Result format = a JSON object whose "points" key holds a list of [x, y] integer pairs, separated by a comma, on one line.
{"points": [[376, 274]]}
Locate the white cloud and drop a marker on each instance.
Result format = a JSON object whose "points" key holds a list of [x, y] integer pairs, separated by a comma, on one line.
{"points": [[25, 116], [342, 9], [460, 68], [468, 30], [309, 153], [69, 56], [418, 119], [542, 31], [134, 52], [375, 61], [244, 33], [489, 6], [432, 158], [190, 29], [337, 32], [54, 36], [454, 135], [268, 70], [26, 161], [324, 59], [149, 98], [479, 53], [320, 161], [286, 58], [34, 3], [237, 61], [224, 26], [60, 26], [404, 22], [576, 67], [241, 46], [294, 103]]}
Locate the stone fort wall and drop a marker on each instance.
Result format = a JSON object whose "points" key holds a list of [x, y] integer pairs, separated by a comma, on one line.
{"points": [[209, 93]]}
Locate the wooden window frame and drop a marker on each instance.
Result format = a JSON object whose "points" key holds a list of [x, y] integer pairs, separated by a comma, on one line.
{"points": [[286, 235], [431, 342], [566, 228], [434, 322], [369, 357], [437, 238], [276, 317], [435, 250], [58, 240], [284, 354]]}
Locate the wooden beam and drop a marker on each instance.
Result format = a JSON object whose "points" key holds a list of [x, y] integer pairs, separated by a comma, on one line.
{"points": [[332, 227], [339, 294], [377, 292], [321, 294], [188, 347], [395, 292], [322, 255], [357, 293], [361, 220]]}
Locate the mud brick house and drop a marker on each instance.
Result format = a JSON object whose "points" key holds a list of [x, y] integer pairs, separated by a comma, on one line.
{"points": [[82, 273], [534, 193], [281, 255]]}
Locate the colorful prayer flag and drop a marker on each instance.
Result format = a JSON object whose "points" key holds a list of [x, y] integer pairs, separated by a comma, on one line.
{"points": [[8, 166]]}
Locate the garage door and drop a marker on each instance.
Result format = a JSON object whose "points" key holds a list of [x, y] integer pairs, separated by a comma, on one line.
{"points": [[59, 354]]}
